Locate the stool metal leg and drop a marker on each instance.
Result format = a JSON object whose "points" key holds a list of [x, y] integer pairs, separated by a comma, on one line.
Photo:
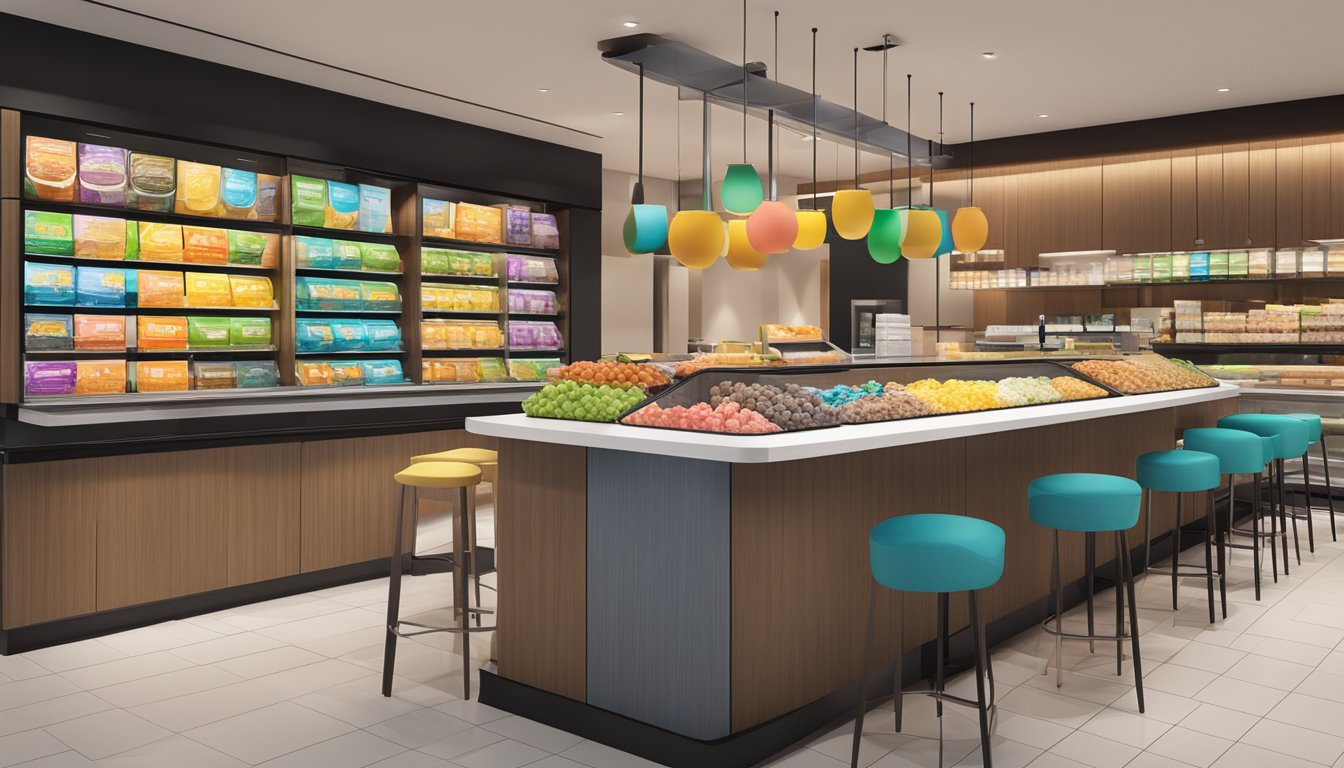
{"points": [[1089, 577], [1306, 502], [1059, 618], [393, 596], [1329, 489], [1119, 614], [863, 673], [981, 652], [1256, 555], [942, 649], [1220, 545], [1268, 486], [1145, 495], [1208, 554], [1283, 520], [898, 685], [1175, 552], [460, 590], [1128, 576], [472, 560]]}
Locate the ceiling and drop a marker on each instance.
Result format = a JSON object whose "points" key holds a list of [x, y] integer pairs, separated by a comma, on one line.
{"points": [[1080, 63]]}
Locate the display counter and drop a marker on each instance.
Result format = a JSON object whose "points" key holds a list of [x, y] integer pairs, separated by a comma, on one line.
{"points": [[698, 598]]}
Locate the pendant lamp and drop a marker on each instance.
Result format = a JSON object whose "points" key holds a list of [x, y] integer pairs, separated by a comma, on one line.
{"points": [[772, 227], [741, 188], [812, 224], [852, 209], [645, 228], [970, 228], [923, 229], [696, 237], [741, 253], [944, 226], [884, 239]]}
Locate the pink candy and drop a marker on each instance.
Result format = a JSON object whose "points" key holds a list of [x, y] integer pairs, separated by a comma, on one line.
{"points": [[728, 417]]}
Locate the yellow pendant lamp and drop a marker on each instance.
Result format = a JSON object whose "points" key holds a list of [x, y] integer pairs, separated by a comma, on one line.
{"points": [[812, 224], [852, 209], [970, 227], [884, 238], [922, 230], [741, 254], [696, 238]]}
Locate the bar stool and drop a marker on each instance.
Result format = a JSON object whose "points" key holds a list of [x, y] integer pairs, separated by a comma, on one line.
{"points": [[1186, 471], [439, 474], [1289, 437], [936, 554], [1315, 436], [1239, 453], [488, 461], [1091, 504]]}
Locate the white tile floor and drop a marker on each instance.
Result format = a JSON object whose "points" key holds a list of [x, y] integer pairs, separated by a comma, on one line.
{"points": [[294, 683]]}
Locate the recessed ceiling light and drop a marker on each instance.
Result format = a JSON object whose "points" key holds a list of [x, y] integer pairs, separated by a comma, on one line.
{"points": [[618, 114], [988, 54], [543, 90], [1043, 115], [1224, 90], [630, 24], [807, 138]]}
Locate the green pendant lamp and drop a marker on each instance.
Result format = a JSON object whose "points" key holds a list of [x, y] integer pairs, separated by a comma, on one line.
{"points": [[970, 227], [741, 190], [645, 228], [884, 239], [852, 209]]}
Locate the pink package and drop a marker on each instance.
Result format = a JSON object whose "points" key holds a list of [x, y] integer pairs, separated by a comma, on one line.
{"points": [[527, 335], [102, 174], [532, 302], [49, 378]]}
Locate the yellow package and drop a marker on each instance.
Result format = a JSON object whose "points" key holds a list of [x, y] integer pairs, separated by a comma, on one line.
{"points": [[160, 289], [160, 242], [100, 237], [205, 245], [433, 335], [205, 289], [161, 376], [465, 221], [441, 370], [252, 291], [197, 188], [431, 297], [100, 377], [489, 225], [315, 374]]}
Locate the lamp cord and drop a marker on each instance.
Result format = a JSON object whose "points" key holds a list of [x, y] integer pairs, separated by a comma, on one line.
{"points": [[744, 82], [814, 118], [856, 118], [641, 124], [972, 153], [909, 156], [891, 158]]}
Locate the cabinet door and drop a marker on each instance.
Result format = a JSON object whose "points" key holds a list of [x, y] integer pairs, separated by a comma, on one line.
{"points": [[1136, 206], [1059, 210], [1248, 202], [1288, 193], [1198, 191], [1316, 180]]}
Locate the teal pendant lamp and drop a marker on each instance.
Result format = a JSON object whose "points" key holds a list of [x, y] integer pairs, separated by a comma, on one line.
{"points": [[884, 239], [945, 244], [645, 228], [741, 191]]}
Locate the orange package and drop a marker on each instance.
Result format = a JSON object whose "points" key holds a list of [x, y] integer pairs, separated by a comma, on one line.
{"points": [[205, 245], [161, 376], [160, 289], [100, 377], [100, 332], [161, 332], [316, 374]]}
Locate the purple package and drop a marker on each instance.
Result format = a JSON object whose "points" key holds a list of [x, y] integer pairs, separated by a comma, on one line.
{"points": [[517, 266], [102, 174], [49, 378], [518, 227], [545, 232]]}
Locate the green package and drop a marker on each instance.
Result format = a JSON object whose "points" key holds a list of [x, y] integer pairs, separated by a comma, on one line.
{"points": [[1162, 268], [309, 201], [51, 234], [380, 257], [380, 296], [1237, 264], [434, 261], [246, 247], [1218, 265], [132, 240], [249, 331], [346, 254], [492, 369], [207, 332]]}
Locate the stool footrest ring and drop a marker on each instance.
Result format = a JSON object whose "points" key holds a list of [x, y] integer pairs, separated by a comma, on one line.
{"points": [[427, 629], [1049, 630], [1184, 574]]}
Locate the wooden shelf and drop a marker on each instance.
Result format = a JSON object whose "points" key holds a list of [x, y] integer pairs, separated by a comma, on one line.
{"points": [[468, 245]]}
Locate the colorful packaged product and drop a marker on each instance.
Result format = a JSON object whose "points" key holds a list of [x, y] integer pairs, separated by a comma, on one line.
{"points": [[315, 374], [251, 374], [198, 188], [518, 226], [48, 234], [153, 183], [348, 335], [205, 245], [48, 332], [208, 332], [100, 237], [102, 174], [49, 284], [379, 257], [492, 369], [327, 294], [433, 261], [207, 289], [346, 255], [433, 334], [545, 231], [152, 332], [436, 218], [268, 198], [100, 287], [382, 372], [132, 252], [49, 169], [464, 221], [100, 332], [314, 252], [256, 249], [313, 335], [489, 225], [308, 201], [161, 376], [527, 335], [160, 289], [100, 377], [532, 302], [532, 369], [532, 269], [238, 191], [342, 211], [249, 332], [160, 242], [346, 373], [252, 291], [383, 335], [214, 375], [54, 378], [375, 208], [379, 296]]}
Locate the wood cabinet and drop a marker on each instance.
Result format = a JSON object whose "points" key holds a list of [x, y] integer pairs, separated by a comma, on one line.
{"points": [[1288, 193], [1317, 170], [1136, 205], [1058, 210], [1197, 200]]}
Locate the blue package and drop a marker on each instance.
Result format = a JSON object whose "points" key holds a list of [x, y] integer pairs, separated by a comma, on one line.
{"points": [[375, 208], [100, 287], [383, 335], [49, 284], [382, 372], [1199, 266], [257, 373], [346, 255], [238, 189], [348, 335], [342, 205], [314, 252], [313, 335]]}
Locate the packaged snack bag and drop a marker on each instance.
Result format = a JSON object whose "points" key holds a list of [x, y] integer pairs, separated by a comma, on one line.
{"points": [[379, 296], [436, 218], [100, 377], [55, 378], [382, 372], [434, 261], [268, 198], [205, 245], [517, 226], [100, 237], [492, 369], [375, 208], [48, 332], [102, 174], [49, 284], [348, 335], [465, 221], [545, 231], [314, 252], [49, 169], [252, 291], [238, 190], [48, 234], [249, 332], [313, 335], [100, 332], [532, 269], [152, 332], [153, 183], [198, 188], [346, 255], [160, 289], [257, 373], [324, 293], [383, 335], [206, 289], [315, 374], [99, 287], [379, 257], [308, 201], [482, 264], [532, 370], [246, 248], [160, 242], [433, 334], [207, 333], [132, 241], [342, 211], [347, 373], [161, 376], [215, 375], [489, 224]]}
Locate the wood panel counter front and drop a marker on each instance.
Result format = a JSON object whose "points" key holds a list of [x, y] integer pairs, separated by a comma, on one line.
{"points": [[693, 583]]}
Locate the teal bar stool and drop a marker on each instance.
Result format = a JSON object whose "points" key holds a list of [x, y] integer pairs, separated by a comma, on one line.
{"points": [[936, 554], [1091, 504], [1239, 453], [1187, 471], [1316, 437], [1290, 440]]}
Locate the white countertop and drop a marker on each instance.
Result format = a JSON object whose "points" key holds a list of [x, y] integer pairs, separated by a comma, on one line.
{"points": [[849, 438]]}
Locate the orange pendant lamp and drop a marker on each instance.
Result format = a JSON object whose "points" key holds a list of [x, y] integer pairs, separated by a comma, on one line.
{"points": [[772, 227], [812, 224], [923, 229], [742, 254], [970, 228], [852, 209]]}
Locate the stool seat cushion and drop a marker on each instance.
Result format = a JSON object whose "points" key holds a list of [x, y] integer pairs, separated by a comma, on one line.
{"points": [[1178, 471], [440, 474], [1084, 502], [1239, 452], [1290, 435], [468, 455], [936, 553], [1313, 422]]}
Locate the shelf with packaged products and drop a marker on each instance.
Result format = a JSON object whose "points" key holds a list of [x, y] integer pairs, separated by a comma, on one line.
{"points": [[460, 351], [467, 279], [131, 353], [155, 217], [340, 352], [185, 266], [471, 245], [83, 310]]}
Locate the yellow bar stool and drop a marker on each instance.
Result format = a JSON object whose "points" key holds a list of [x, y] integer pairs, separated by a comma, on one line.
{"points": [[438, 474], [480, 560]]}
